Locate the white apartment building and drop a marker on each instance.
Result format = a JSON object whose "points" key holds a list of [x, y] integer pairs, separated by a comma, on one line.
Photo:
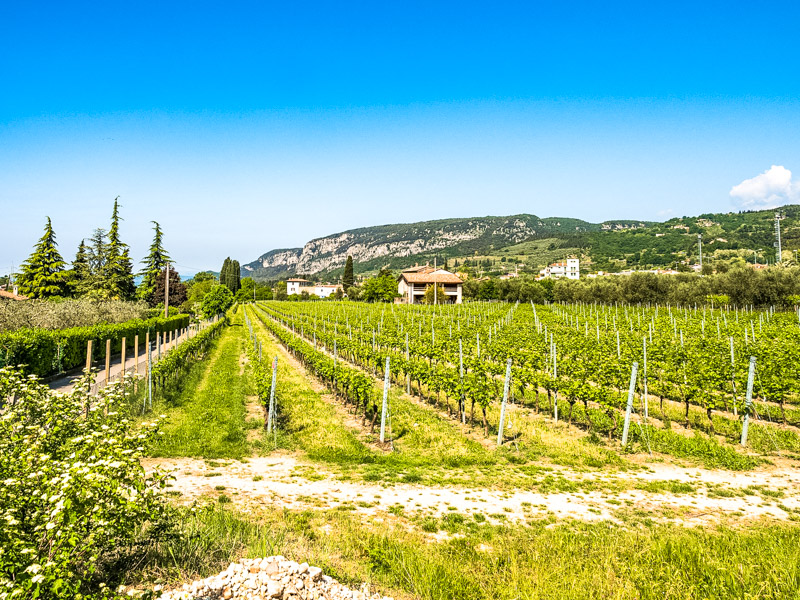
{"points": [[296, 286], [569, 268]]}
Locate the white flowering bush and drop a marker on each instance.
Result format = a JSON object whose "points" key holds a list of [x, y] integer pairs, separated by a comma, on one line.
{"points": [[72, 489]]}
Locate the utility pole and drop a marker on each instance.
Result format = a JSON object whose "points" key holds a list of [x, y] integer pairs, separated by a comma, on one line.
{"points": [[166, 292], [778, 236], [700, 250], [435, 285]]}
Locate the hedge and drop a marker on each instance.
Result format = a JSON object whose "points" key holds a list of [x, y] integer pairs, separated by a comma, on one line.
{"points": [[42, 352]]}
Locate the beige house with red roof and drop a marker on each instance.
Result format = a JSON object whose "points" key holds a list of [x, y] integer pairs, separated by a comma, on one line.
{"points": [[413, 282]]}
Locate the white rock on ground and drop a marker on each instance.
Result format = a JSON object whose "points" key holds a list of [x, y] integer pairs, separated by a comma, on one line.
{"points": [[268, 578]]}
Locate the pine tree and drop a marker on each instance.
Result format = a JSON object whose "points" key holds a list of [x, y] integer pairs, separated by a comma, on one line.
{"points": [[348, 278], [43, 274], [119, 269], [80, 274], [97, 285], [154, 264]]}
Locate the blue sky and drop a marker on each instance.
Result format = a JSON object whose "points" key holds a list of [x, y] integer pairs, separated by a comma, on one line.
{"points": [[243, 127]]}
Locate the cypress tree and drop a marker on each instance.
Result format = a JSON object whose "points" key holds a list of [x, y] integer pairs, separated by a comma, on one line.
{"points": [[119, 269], [348, 279], [154, 263], [81, 273], [224, 273], [235, 276], [43, 274]]}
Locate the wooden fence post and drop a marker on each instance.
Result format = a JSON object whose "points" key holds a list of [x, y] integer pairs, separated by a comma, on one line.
{"points": [[122, 360], [108, 360], [136, 362], [89, 355]]}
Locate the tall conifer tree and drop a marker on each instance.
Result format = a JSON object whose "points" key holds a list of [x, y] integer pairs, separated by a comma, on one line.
{"points": [[43, 274], [224, 272], [119, 268], [80, 274], [348, 278], [154, 263]]}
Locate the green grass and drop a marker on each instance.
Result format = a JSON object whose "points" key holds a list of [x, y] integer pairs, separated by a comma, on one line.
{"points": [[206, 418], [305, 420], [535, 561]]}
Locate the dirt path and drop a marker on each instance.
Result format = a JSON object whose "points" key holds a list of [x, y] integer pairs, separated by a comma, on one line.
{"points": [[285, 480], [66, 382]]}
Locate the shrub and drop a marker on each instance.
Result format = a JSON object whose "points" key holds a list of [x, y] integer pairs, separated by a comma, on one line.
{"points": [[45, 352], [73, 491]]}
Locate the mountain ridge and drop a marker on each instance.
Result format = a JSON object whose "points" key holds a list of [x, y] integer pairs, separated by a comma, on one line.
{"points": [[529, 241], [418, 239]]}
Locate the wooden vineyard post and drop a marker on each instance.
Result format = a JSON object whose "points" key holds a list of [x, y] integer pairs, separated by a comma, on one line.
{"points": [[108, 361], [629, 407], [503, 405], [89, 355], [385, 401], [748, 399], [175, 339], [335, 357], [122, 360], [271, 414]]}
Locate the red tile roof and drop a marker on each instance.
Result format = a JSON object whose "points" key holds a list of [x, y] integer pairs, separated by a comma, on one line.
{"points": [[11, 296], [430, 277]]}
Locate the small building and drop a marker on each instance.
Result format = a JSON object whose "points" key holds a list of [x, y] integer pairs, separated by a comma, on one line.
{"points": [[325, 290], [569, 268], [321, 290], [295, 286], [413, 283], [13, 295]]}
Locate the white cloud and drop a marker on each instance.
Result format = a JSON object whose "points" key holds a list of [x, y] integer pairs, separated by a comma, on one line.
{"points": [[771, 188]]}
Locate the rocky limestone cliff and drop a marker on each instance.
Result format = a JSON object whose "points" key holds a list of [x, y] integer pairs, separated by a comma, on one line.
{"points": [[409, 240]]}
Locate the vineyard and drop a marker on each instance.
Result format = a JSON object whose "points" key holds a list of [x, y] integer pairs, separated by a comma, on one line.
{"points": [[434, 451], [572, 362]]}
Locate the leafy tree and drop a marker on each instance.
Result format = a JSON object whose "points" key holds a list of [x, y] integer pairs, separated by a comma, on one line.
{"points": [[353, 293], [348, 278], [381, 288], [488, 290], [177, 291], [280, 291], [247, 290], [119, 268], [43, 274], [81, 274], [434, 296], [217, 301], [154, 263]]}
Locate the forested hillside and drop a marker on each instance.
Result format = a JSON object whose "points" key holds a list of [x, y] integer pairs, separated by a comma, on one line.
{"points": [[531, 241]]}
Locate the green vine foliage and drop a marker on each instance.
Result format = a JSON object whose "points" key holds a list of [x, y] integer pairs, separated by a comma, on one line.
{"points": [[174, 363], [73, 491]]}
